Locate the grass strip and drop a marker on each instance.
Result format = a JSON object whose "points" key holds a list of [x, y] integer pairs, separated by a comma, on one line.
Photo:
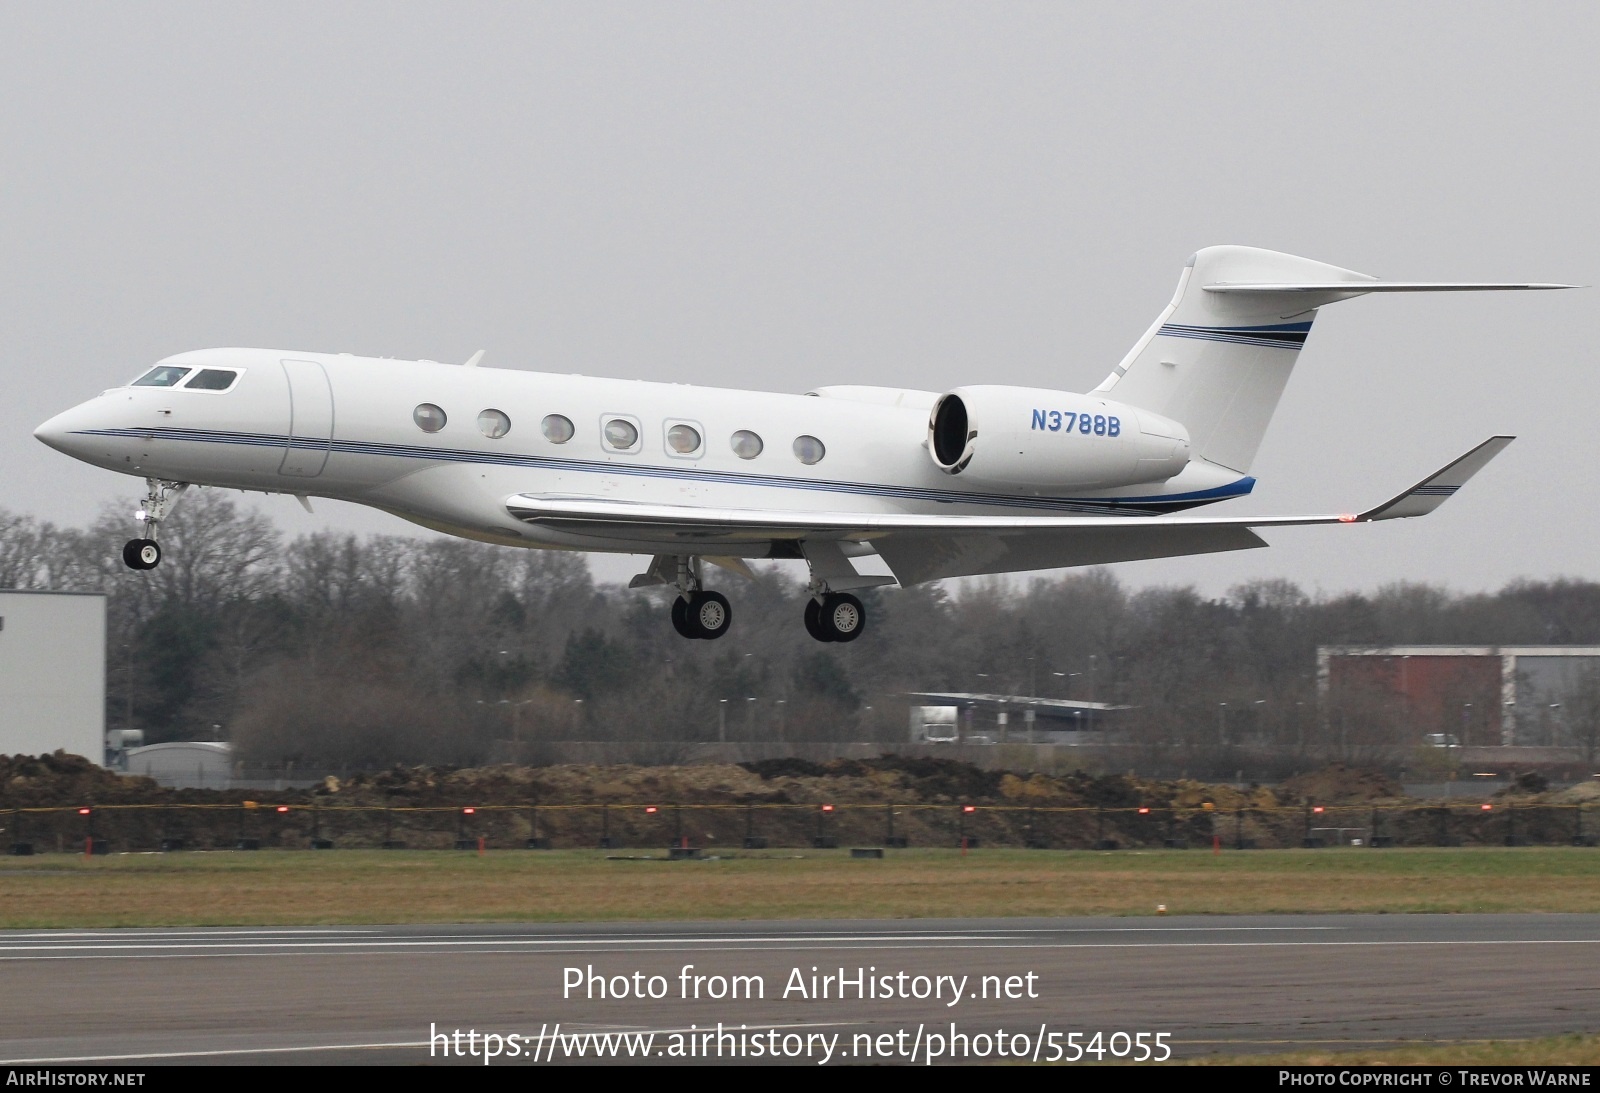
{"points": [[367, 887]]}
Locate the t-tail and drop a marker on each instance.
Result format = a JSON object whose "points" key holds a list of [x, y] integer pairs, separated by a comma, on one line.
{"points": [[1218, 358]]}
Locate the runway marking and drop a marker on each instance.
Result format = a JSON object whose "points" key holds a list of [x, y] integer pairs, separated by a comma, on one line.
{"points": [[575, 948], [283, 938], [67, 1060], [203, 933], [208, 1053]]}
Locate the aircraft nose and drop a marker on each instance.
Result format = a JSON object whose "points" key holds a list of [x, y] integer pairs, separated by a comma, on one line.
{"points": [[64, 432], [55, 431]]}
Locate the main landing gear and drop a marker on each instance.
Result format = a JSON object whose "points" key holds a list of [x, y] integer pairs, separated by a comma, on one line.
{"points": [[160, 496], [702, 615], [835, 616], [698, 613]]}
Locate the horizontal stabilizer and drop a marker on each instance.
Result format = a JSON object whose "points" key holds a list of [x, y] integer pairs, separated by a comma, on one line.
{"points": [[1361, 288], [1437, 488]]}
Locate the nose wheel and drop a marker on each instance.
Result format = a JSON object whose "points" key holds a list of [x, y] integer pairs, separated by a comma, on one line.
{"points": [[838, 617], [141, 553], [703, 614], [160, 497]]}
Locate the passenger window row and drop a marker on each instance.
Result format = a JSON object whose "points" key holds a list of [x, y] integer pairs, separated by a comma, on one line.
{"points": [[621, 434]]}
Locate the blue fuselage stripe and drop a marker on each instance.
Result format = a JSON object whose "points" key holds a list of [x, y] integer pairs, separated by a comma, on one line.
{"points": [[1119, 505]]}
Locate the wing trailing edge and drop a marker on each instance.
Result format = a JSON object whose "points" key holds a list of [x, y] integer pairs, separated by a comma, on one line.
{"points": [[920, 547]]}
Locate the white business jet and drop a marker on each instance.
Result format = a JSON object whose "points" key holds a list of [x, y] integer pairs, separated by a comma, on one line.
{"points": [[979, 479]]}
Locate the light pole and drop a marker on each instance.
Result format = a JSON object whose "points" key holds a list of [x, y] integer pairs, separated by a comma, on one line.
{"points": [[722, 720], [783, 709], [1222, 724], [749, 718]]}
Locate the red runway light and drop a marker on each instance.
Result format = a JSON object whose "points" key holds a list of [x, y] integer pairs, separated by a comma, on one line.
{"points": [[827, 808], [1318, 808], [1486, 808], [1144, 812], [283, 808], [84, 811], [468, 811], [649, 809], [969, 808]]}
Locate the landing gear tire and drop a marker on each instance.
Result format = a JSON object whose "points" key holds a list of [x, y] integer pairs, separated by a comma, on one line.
{"points": [[681, 622], [839, 617], [704, 615], [141, 553], [814, 625]]}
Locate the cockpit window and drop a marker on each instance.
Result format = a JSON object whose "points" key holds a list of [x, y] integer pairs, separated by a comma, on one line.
{"points": [[212, 379], [164, 375]]}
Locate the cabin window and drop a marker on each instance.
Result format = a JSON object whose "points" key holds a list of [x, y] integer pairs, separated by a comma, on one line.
{"points": [[809, 450], [683, 439], [621, 434], [557, 429], [164, 375], [746, 445], [429, 418], [494, 424], [212, 379]]}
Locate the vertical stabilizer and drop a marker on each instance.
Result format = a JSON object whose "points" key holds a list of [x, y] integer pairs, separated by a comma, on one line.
{"points": [[1217, 362]]}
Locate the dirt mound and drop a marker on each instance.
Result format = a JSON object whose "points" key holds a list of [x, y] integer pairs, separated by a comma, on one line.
{"points": [[1531, 784], [1338, 784], [1582, 793], [42, 780], [558, 785], [785, 768]]}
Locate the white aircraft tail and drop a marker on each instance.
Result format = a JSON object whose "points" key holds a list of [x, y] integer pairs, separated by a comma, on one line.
{"points": [[1218, 358]]}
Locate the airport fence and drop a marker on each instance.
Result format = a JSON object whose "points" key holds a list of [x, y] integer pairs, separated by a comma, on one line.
{"points": [[690, 828]]}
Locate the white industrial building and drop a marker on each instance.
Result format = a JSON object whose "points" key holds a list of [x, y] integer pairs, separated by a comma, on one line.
{"points": [[53, 673], [188, 764]]}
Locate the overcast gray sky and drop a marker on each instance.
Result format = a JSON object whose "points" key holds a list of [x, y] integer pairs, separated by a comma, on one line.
{"points": [[785, 195]]}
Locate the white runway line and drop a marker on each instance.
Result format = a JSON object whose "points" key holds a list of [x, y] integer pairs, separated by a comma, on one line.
{"points": [[69, 1060], [282, 939]]}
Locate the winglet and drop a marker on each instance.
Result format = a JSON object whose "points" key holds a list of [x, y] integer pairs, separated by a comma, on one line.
{"points": [[1434, 490], [472, 361]]}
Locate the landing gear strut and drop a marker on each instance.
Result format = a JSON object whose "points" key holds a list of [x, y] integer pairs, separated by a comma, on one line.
{"points": [[160, 496]]}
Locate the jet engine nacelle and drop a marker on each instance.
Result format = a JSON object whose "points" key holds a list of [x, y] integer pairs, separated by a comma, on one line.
{"points": [[1049, 440]]}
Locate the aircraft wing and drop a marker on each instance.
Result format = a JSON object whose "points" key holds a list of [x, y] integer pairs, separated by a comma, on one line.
{"points": [[921, 547]]}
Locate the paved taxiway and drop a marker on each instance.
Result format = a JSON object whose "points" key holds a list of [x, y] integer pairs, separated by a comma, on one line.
{"points": [[347, 994]]}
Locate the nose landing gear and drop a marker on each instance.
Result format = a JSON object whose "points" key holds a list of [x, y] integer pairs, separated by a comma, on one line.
{"points": [[160, 496]]}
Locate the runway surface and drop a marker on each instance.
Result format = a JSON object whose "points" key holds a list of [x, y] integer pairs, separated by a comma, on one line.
{"points": [[372, 994]]}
